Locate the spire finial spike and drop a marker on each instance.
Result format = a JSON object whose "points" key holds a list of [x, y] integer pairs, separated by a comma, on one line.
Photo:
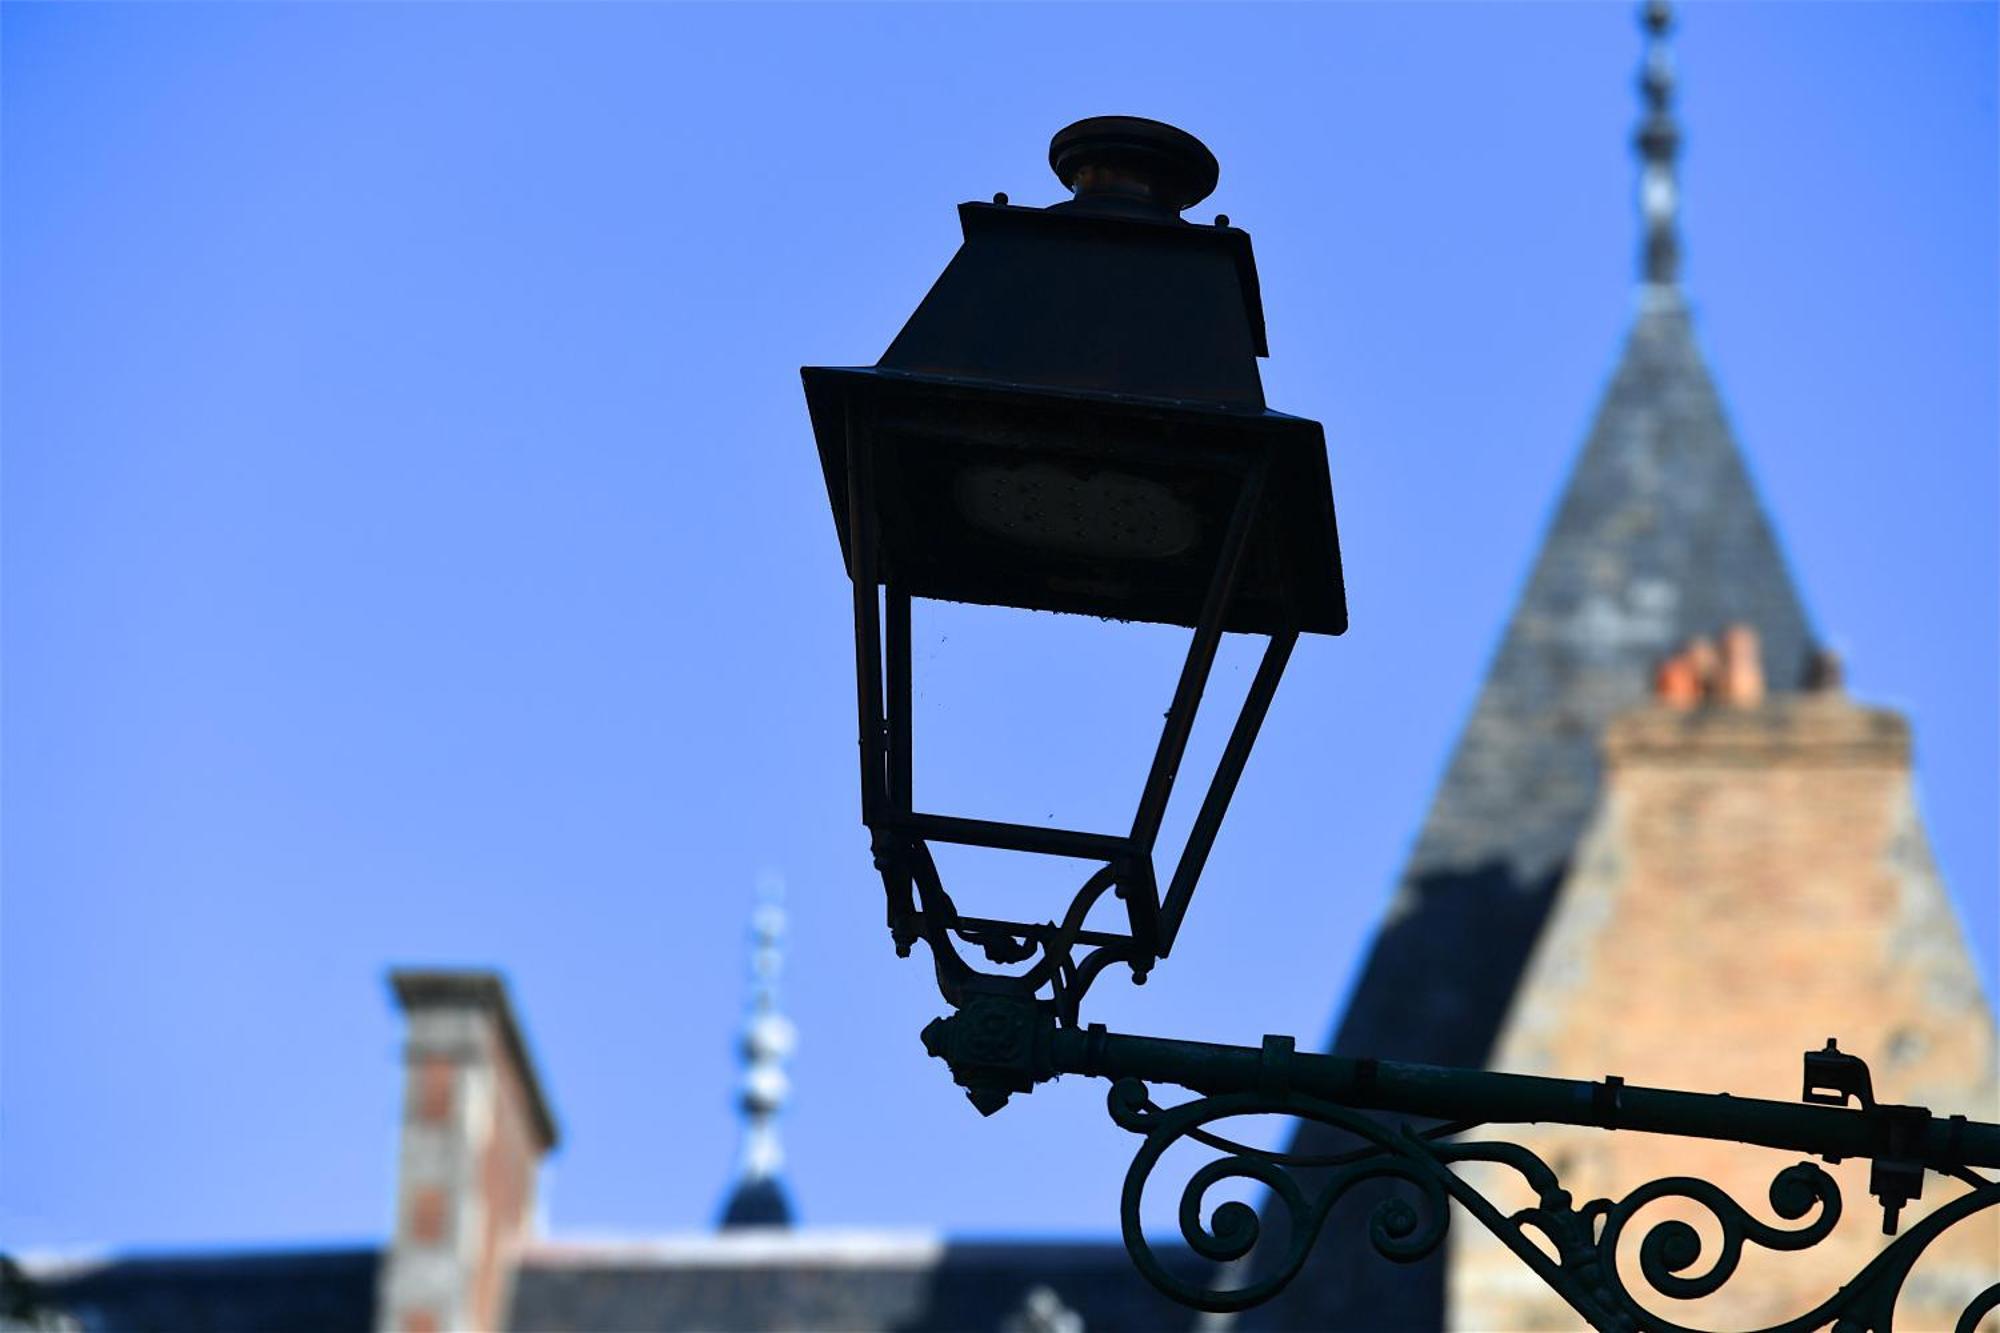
{"points": [[1658, 141], [758, 1197]]}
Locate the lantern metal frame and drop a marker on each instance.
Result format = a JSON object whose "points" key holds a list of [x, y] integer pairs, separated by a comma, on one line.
{"points": [[920, 905]]}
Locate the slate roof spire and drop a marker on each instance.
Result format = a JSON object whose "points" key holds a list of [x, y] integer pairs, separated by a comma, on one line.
{"points": [[758, 1198], [1659, 141], [1659, 537]]}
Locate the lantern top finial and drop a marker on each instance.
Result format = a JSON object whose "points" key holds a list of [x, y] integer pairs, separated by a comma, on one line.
{"points": [[1128, 164]]}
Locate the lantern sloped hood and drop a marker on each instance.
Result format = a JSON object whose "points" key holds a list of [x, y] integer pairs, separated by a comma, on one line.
{"points": [[1066, 421]]}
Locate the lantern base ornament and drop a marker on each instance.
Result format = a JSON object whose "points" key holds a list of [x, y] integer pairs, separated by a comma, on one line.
{"points": [[998, 1045]]}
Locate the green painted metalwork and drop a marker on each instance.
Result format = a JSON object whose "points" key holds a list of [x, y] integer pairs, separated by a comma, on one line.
{"points": [[998, 1045], [1587, 1238]]}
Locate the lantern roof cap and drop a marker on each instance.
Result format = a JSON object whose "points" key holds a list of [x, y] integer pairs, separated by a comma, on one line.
{"points": [[1131, 165]]}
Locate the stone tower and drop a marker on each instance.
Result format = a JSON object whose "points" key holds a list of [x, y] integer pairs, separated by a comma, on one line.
{"points": [[1599, 872]]}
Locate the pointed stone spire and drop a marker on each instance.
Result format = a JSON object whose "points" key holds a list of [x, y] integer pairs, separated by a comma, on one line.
{"points": [[1659, 141], [758, 1198]]}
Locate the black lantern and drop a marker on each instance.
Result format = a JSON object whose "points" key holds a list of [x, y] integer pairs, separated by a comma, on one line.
{"points": [[1073, 421]]}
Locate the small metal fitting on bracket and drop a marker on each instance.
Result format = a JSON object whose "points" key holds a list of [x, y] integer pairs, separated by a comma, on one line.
{"points": [[1897, 1174], [1093, 1050], [1274, 1071], [1606, 1100], [996, 1046], [1832, 1076]]}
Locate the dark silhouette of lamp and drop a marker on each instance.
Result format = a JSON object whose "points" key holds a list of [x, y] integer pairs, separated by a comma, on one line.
{"points": [[1073, 421]]}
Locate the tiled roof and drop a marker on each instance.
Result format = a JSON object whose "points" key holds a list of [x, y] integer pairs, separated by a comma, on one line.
{"points": [[745, 1282], [741, 1281], [322, 1291]]}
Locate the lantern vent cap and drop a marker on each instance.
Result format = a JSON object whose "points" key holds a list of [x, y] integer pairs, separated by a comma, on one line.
{"points": [[1131, 165]]}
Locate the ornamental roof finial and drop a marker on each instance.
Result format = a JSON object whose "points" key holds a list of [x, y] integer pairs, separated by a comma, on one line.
{"points": [[758, 1197], [1658, 141]]}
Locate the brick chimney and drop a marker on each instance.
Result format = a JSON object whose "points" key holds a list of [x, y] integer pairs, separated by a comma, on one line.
{"points": [[475, 1128], [1755, 879]]}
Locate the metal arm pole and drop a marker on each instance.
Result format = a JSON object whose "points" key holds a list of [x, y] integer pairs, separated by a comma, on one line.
{"points": [[1037, 1050], [1440, 1093]]}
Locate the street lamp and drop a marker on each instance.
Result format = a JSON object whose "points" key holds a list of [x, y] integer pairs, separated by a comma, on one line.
{"points": [[1072, 421]]}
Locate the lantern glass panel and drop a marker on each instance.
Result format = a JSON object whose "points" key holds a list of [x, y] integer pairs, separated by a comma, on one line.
{"points": [[1051, 721], [1034, 718]]}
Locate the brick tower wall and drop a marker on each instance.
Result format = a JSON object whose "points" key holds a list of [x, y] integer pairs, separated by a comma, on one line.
{"points": [[1755, 880]]}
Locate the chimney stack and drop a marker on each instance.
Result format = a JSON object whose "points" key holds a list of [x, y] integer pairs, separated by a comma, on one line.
{"points": [[475, 1129]]}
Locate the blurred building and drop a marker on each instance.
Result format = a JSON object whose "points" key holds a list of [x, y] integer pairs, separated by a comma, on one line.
{"points": [[466, 1253], [1667, 846]]}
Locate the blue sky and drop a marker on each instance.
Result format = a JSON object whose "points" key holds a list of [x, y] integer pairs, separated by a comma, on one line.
{"points": [[415, 552]]}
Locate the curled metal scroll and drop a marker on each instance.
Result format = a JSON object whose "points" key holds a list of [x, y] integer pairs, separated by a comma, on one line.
{"points": [[1673, 1259], [1398, 1230], [1671, 1252], [943, 929]]}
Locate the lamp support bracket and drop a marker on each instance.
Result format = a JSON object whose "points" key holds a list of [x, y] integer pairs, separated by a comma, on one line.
{"points": [[997, 1045]]}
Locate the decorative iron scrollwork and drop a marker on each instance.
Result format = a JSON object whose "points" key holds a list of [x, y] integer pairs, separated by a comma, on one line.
{"points": [[1053, 946], [1398, 1230], [1673, 1259]]}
